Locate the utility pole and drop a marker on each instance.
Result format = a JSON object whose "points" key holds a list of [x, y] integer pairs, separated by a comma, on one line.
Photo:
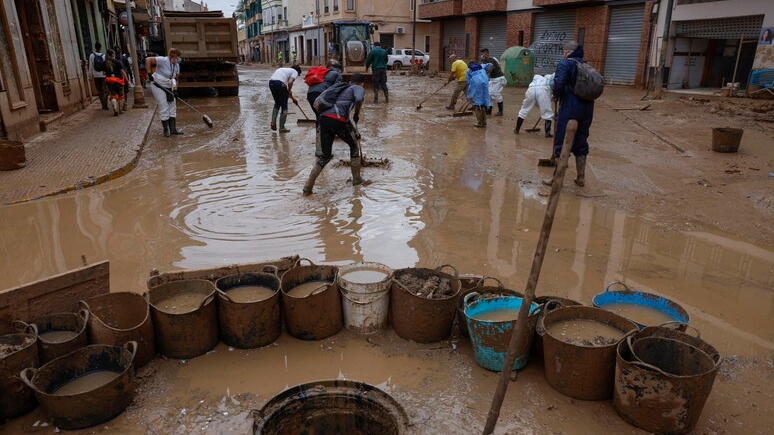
{"points": [[414, 36], [139, 92]]}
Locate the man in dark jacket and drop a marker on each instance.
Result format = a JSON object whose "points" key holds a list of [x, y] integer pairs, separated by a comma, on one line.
{"points": [[571, 107], [377, 61], [332, 77]]}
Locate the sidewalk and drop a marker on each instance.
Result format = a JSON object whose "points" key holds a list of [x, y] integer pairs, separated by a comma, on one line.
{"points": [[89, 147]]}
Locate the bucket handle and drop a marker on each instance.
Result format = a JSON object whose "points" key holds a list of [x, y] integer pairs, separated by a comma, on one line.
{"points": [[298, 262], [400, 285], [676, 324], [274, 270], [26, 376], [483, 279], [224, 295], [440, 269], [344, 293], [29, 328], [619, 283], [320, 289], [133, 350], [84, 313], [207, 299], [471, 298]]}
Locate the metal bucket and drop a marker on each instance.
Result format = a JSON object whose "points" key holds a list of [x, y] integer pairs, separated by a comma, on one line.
{"points": [[87, 407], [247, 324], [491, 338], [17, 352], [60, 334], [117, 318], [366, 302], [318, 315], [644, 309], [486, 292], [581, 371], [331, 407], [187, 334], [663, 378], [424, 303], [549, 303]]}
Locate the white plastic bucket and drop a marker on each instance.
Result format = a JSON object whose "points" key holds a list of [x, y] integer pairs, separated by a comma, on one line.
{"points": [[366, 304]]}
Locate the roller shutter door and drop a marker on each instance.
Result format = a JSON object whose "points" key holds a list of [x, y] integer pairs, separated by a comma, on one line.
{"points": [[623, 44], [552, 30], [453, 41], [492, 34], [720, 28]]}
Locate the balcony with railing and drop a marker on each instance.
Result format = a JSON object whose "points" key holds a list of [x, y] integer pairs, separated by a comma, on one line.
{"points": [[429, 9]]}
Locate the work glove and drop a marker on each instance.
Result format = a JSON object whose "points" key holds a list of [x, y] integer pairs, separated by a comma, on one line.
{"points": [[150, 78], [175, 93]]}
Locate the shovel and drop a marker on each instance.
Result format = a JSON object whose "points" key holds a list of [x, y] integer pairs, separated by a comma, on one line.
{"points": [[302, 121]]}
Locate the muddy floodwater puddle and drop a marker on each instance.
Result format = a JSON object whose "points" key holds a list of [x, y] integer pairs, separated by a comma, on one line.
{"points": [[641, 314], [57, 336], [250, 293], [585, 332], [181, 303], [307, 288], [88, 382], [365, 275], [498, 315]]}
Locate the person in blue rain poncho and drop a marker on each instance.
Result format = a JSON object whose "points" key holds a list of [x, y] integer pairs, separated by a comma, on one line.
{"points": [[478, 91]]}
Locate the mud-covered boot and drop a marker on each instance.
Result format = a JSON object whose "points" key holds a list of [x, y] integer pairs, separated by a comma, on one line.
{"points": [[548, 128], [499, 109], [488, 110], [580, 165], [519, 122], [274, 114], [355, 165], [165, 124], [283, 118], [479, 112], [317, 143], [316, 170], [173, 126], [376, 97], [386, 96]]}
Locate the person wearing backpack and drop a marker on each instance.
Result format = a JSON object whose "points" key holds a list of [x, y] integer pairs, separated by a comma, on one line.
{"points": [[331, 77], [97, 73], [571, 107], [339, 105]]}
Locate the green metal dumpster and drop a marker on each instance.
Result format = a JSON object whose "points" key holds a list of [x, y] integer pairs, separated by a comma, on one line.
{"points": [[518, 64]]}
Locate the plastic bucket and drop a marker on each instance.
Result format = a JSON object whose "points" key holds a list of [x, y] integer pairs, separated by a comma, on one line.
{"points": [[315, 314], [331, 407], [17, 352], [365, 288], [549, 303], [91, 403], [60, 334], [247, 318], [491, 338], [424, 303], [190, 329], [644, 309], [663, 378], [117, 318], [726, 139], [577, 369], [486, 292]]}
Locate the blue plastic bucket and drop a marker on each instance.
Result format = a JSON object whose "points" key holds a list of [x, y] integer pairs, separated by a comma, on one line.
{"points": [[656, 310], [491, 338]]}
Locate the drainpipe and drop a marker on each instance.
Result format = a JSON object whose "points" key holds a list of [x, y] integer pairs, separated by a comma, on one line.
{"points": [[662, 52]]}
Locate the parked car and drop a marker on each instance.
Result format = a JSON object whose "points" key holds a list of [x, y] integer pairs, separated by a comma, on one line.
{"points": [[399, 57]]}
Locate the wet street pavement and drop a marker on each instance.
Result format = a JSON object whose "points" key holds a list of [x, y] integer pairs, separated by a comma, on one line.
{"points": [[450, 194]]}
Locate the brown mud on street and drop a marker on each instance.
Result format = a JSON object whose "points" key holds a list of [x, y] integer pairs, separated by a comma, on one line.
{"points": [[660, 212]]}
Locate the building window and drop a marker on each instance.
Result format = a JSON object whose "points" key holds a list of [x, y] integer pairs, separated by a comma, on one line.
{"points": [[325, 5], [427, 43], [350, 5], [335, 5]]}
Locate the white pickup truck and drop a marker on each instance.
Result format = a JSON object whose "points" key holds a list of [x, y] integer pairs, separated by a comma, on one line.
{"points": [[397, 58]]}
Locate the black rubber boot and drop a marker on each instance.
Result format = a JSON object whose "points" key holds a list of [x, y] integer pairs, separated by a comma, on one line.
{"points": [[173, 126], [499, 109], [316, 170], [548, 128], [519, 122], [386, 97], [489, 110], [166, 128], [376, 97], [580, 165], [283, 119]]}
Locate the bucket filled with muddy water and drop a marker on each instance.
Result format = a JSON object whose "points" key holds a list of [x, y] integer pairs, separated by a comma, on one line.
{"points": [[331, 407], [185, 317], [491, 323], [117, 318], [311, 301], [424, 303], [579, 350], [86, 387], [644, 309], [486, 292], [60, 334], [365, 288], [548, 304], [249, 308], [18, 351], [663, 378]]}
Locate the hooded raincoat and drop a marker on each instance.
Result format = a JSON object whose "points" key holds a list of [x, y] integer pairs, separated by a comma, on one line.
{"points": [[478, 84]]}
